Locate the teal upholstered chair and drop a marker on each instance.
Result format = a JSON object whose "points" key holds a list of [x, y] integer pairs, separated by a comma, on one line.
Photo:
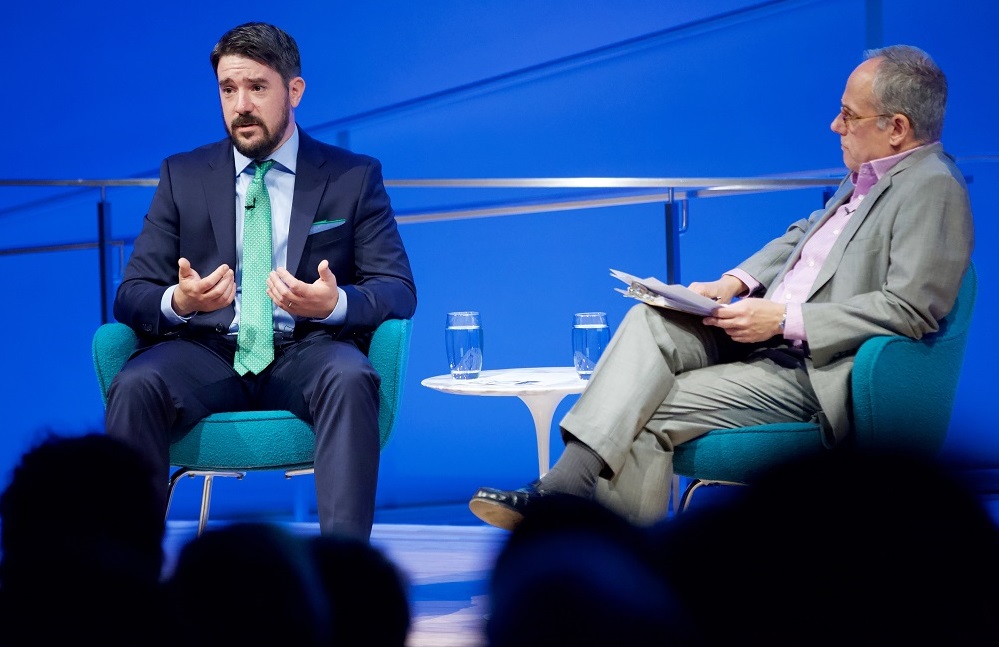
{"points": [[232, 444], [903, 394]]}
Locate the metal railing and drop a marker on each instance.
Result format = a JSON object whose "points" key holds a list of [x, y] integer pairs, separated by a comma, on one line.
{"points": [[587, 193]]}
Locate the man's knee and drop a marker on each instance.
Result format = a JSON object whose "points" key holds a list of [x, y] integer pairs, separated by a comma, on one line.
{"points": [[352, 377], [639, 311], [135, 382]]}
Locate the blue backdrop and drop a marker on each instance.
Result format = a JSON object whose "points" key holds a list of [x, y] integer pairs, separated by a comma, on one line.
{"points": [[490, 89]]}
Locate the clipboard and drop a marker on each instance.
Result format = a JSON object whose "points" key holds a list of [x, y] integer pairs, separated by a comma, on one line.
{"points": [[662, 295]]}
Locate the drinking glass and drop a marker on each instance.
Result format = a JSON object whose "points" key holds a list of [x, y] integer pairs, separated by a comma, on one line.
{"points": [[463, 339], [590, 335]]}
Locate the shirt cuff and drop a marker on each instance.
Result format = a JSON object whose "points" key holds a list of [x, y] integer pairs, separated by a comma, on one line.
{"points": [[751, 283], [166, 307], [339, 314], [794, 325]]}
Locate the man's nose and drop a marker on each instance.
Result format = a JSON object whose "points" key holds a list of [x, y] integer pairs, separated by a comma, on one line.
{"points": [[243, 102], [838, 126]]}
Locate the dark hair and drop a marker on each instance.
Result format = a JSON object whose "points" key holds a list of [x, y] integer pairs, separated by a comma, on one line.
{"points": [[70, 493], [276, 594], [263, 43], [82, 538], [907, 81]]}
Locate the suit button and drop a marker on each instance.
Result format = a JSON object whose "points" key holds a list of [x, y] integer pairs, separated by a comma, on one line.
{"points": [[219, 328], [147, 327]]}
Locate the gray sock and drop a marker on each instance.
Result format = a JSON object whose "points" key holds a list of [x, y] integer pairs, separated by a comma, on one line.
{"points": [[575, 472]]}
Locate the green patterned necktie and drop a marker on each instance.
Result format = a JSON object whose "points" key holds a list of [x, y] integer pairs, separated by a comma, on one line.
{"points": [[255, 342]]}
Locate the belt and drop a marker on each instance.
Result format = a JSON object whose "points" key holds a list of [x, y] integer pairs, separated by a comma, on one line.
{"points": [[786, 356], [784, 352]]}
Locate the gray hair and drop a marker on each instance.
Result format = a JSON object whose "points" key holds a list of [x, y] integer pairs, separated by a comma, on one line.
{"points": [[907, 81], [262, 43]]}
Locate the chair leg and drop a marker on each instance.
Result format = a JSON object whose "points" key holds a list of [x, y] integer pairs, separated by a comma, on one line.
{"points": [[694, 485], [206, 491], [170, 488], [674, 494], [206, 501], [688, 493], [301, 509]]}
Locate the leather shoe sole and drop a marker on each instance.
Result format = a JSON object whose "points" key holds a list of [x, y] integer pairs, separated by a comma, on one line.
{"points": [[504, 508]]}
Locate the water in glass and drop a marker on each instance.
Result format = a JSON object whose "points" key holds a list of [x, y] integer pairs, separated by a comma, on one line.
{"points": [[590, 335], [463, 338]]}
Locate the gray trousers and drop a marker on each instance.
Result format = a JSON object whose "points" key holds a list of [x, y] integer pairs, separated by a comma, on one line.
{"points": [[666, 378]]}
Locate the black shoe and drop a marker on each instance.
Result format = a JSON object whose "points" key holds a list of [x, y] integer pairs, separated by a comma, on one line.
{"points": [[505, 508]]}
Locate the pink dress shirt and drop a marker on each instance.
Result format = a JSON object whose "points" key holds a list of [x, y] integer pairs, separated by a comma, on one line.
{"points": [[798, 281]]}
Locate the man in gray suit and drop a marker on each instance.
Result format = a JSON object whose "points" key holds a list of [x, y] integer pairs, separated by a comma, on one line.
{"points": [[884, 257]]}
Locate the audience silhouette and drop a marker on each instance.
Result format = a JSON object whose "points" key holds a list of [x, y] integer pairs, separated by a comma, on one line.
{"points": [[81, 537], [248, 583], [845, 547], [82, 561], [841, 548], [259, 583], [575, 573], [368, 594]]}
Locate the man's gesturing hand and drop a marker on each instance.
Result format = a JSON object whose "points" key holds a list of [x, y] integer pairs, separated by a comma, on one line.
{"points": [[310, 300], [196, 294]]}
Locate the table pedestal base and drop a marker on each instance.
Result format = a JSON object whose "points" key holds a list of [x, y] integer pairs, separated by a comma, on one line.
{"points": [[542, 409], [541, 389]]}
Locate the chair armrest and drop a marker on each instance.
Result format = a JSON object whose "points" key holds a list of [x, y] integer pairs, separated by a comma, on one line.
{"points": [[112, 345], [389, 354]]}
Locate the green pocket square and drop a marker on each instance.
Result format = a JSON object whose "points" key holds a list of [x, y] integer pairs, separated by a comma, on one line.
{"points": [[323, 225]]}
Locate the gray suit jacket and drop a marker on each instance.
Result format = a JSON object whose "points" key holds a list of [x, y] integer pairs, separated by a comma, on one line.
{"points": [[895, 270]]}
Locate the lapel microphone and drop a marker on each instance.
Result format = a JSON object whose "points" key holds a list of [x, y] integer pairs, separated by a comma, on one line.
{"points": [[251, 204]]}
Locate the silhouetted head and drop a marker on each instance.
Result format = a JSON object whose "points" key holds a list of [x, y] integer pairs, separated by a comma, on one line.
{"points": [[80, 503], [248, 583], [359, 579], [840, 548], [82, 540], [575, 573]]}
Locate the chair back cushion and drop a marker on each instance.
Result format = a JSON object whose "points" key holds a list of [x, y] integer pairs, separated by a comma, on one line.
{"points": [[904, 389]]}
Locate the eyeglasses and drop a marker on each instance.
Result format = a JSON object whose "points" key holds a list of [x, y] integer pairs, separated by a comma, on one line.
{"points": [[849, 117]]}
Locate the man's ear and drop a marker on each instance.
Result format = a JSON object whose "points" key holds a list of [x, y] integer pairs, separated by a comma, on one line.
{"points": [[901, 129], [296, 88]]}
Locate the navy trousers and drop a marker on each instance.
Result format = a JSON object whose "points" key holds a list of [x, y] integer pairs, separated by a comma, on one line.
{"points": [[165, 389]]}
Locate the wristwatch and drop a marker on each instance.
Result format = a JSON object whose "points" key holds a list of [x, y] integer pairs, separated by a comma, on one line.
{"points": [[783, 320]]}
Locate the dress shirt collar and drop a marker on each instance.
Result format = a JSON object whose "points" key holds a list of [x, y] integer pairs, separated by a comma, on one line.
{"points": [[286, 156], [871, 172]]}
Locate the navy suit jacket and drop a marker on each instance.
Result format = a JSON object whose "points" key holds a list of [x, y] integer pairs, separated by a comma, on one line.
{"points": [[193, 215]]}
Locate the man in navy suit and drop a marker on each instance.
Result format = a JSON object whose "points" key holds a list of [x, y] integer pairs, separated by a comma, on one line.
{"points": [[338, 270]]}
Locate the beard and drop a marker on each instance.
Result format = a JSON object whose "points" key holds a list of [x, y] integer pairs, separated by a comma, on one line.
{"points": [[267, 144]]}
